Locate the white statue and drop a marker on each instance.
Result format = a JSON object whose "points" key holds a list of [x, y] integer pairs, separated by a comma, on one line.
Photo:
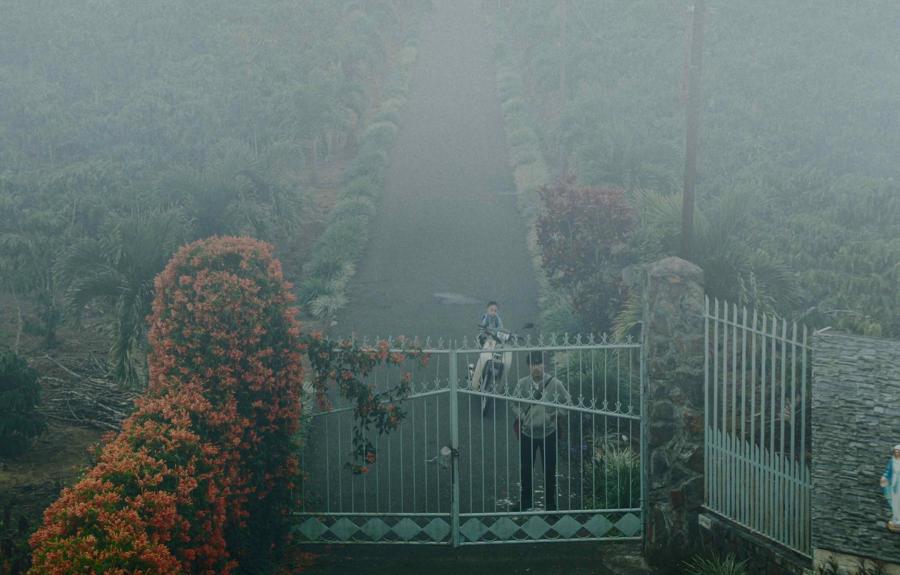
{"points": [[890, 482]]}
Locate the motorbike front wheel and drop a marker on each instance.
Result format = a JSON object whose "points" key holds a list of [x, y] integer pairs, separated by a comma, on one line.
{"points": [[487, 385]]}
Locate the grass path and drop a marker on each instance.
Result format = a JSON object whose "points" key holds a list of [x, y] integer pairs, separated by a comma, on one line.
{"points": [[448, 237]]}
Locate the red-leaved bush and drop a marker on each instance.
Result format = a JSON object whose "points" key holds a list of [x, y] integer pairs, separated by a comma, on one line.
{"points": [[198, 480], [584, 234]]}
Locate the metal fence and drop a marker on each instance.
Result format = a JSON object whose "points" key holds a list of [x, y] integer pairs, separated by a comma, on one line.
{"points": [[757, 436], [585, 481]]}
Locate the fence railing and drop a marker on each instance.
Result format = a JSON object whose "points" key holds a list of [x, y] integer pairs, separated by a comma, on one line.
{"points": [[757, 437]]}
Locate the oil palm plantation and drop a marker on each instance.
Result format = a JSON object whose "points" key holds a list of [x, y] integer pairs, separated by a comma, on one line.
{"points": [[238, 194]]}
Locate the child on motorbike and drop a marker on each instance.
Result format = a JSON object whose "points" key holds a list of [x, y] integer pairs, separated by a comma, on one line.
{"points": [[490, 318]]}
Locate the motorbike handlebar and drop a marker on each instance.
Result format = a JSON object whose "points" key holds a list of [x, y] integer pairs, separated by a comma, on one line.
{"points": [[494, 333]]}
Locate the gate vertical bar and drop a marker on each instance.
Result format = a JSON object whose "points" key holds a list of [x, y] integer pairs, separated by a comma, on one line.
{"points": [[725, 480], [644, 440], [754, 471], [805, 510], [454, 449], [706, 422], [732, 456], [795, 480], [782, 486], [714, 468], [744, 456], [761, 462], [773, 382]]}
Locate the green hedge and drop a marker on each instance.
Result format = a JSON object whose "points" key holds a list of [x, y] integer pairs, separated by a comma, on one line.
{"points": [[530, 172], [336, 252]]}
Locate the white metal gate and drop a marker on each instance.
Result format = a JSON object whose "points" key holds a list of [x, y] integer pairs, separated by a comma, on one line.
{"points": [[453, 472], [757, 447]]}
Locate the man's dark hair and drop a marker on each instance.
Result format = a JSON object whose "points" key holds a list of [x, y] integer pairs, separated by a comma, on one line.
{"points": [[535, 358], [492, 302]]}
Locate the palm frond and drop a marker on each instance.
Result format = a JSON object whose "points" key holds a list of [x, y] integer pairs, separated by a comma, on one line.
{"points": [[97, 283], [715, 565], [629, 317], [118, 269]]}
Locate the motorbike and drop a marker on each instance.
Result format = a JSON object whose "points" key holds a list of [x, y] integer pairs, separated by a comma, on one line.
{"points": [[487, 373]]}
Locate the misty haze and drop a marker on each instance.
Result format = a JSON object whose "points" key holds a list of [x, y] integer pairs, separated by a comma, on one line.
{"points": [[496, 286]]}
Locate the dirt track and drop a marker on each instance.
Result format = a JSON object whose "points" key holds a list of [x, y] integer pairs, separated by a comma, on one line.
{"points": [[448, 225]]}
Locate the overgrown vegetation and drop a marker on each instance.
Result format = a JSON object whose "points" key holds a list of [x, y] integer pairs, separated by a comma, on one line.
{"points": [[798, 202], [584, 235], [14, 531], [613, 480], [715, 565], [20, 421]]}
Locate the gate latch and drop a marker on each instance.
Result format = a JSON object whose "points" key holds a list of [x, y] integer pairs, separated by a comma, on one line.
{"points": [[448, 453], [444, 456]]}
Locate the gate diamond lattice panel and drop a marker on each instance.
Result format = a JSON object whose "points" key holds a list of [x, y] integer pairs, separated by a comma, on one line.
{"points": [[373, 529], [526, 528]]}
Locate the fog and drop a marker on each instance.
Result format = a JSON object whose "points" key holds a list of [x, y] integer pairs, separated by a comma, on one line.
{"points": [[243, 118], [411, 161]]}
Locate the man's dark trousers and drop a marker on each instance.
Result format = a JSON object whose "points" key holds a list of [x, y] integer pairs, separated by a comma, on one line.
{"points": [[528, 449]]}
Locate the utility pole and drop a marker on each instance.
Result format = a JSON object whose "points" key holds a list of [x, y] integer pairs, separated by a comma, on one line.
{"points": [[693, 116], [563, 86]]}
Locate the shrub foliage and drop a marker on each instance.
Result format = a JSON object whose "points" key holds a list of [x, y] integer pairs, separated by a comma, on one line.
{"points": [[19, 395], [200, 478], [584, 235], [208, 453]]}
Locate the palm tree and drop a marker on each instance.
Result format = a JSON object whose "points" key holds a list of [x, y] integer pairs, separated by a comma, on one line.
{"points": [[735, 265], [117, 269], [729, 249], [27, 257]]}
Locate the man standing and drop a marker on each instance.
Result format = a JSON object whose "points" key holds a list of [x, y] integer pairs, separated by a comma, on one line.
{"points": [[536, 426]]}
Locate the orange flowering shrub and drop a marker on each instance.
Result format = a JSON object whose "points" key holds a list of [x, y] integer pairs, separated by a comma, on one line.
{"points": [[200, 476]]}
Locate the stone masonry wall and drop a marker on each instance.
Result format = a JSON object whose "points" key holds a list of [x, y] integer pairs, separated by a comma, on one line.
{"points": [[855, 423], [673, 300]]}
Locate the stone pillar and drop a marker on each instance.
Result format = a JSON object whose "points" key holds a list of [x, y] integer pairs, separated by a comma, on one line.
{"points": [[673, 305]]}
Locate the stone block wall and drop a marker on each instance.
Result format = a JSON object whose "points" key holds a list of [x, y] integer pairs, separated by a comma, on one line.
{"points": [[855, 423]]}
